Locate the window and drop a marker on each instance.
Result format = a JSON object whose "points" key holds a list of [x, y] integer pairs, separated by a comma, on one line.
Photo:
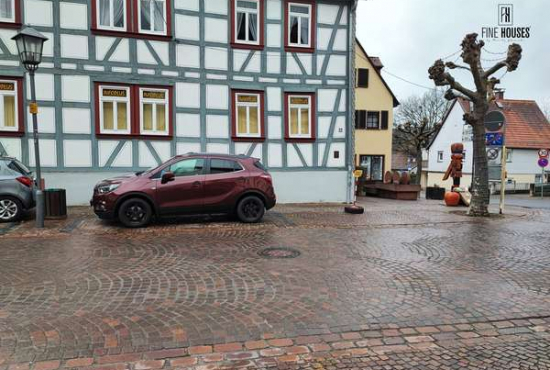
{"points": [[134, 18], [247, 23], [509, 156], [299, 28], [152, 16], [11, 117], [223, 166], [300, 122], [111, 15], [372, 166], [7, 10], [114, 109], [248, 115], [134, 110], [187, 167], [360, 119], [440, 156], [373, 122], [362, 77], [154, 111]]}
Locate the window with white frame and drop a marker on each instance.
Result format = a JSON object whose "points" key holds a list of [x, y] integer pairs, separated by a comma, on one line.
{"points": [[299, 116], [153, 111], [111, 14], [9, 120], [299, 24], [152, 17], [7, 10], [114, 109], [440, 156], [247, 23], [248, 115]]}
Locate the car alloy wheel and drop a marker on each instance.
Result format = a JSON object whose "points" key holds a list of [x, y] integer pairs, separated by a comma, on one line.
{"points": [[8, 210], [135, 213], [251, 209]]}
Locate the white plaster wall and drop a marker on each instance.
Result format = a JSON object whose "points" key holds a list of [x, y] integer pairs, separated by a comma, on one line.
{"points": [[46, 120], [217, 148], [274, 99], [12, 146], [274, 155], [274, 9], [215, 59], [122, 52], [162, 50], [143, 53], [450, 133], [146, 159], [102, 46], [75, 88], [188, 95], [75, 47], [215, 29], [337, 65], [187, 5], [44, 87], [341, 160], [76, 121], [77, 153], [273, 62], [326, 99], [124, 157], [48, 155], [188, 56], [188, 125], [73, 16], [523, 161], [326, 13], [217, 126], [274, 127], [310, 186], [163, 149], [216, 6], [274, 37], [187, 27], [182, 148], [217, 97], [38, 13]]}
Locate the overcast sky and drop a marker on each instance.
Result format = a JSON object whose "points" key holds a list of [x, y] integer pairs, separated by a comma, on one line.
{"points": [[409, 35]]}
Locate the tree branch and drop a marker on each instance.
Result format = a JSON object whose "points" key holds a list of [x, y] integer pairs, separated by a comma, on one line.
{"points": [[511, 63]]}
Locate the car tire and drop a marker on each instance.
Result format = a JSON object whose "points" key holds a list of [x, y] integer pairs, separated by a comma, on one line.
{"points": [[11, 209], [135, 212], [251, 209]]}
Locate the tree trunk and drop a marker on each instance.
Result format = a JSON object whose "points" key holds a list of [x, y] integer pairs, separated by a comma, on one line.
{"points": [[479, 205], [418, 178]]}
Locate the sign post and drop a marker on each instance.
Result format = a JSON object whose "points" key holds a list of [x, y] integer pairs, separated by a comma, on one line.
{"points": [[543, 163], [494, 138]]}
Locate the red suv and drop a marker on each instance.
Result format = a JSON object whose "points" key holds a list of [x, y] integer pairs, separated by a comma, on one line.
{"points": [[188, 184]]}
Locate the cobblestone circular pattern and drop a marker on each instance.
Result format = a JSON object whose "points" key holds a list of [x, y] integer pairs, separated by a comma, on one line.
{"points": [[279, 252]]}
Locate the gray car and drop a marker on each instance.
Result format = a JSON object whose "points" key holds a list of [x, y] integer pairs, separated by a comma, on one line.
{"points": [[16, 189]]}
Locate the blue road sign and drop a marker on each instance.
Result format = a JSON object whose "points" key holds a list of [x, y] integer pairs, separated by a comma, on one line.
{"points": [[494, 139]]}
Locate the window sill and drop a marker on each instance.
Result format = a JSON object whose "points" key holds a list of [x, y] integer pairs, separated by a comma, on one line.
{"points": [[15, 25], [12, 133], [300, 139], [236, 45], [248, 139], [295, 49], [134, 35], [134, 136]]}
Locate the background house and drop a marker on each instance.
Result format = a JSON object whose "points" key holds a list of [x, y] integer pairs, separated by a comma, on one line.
{"points": [[374, 103], [527, 131], [126, 85]]}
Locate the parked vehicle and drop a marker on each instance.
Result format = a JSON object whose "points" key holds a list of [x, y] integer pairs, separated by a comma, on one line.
{"points": [[16, 189], [193, 183]]}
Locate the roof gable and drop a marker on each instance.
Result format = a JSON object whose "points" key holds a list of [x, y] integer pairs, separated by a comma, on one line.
{"points": [[526, 125]]}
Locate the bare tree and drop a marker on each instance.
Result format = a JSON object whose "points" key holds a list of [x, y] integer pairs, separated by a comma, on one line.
{"points": [[481, 97], [416, 122]]}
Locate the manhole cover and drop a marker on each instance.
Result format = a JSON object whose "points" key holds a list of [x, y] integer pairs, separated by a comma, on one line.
{"points": [[279, 252]]}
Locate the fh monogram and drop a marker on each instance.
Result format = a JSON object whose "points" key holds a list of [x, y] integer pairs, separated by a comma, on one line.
{"points": [[505, 16]]}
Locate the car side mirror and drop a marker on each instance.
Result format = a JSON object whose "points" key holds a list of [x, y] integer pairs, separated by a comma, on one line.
{"points": [[167, 177]]}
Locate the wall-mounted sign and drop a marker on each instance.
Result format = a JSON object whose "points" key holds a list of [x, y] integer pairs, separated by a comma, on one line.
{"points": [[120, 93], [299, 101], [154, 95], [247, 98], [7, 86]]}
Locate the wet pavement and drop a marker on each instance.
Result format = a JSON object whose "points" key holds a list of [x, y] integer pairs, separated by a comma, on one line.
{"points": [[406, 285]]}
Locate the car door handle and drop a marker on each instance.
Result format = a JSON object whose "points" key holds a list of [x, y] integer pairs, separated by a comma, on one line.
{"points": [[196, 184]]}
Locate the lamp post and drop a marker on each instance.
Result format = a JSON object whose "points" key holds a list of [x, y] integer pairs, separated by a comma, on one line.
{"points": [[29, 45]]}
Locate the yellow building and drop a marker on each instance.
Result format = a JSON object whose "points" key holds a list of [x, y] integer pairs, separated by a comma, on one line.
{"points": [[374, 103]]}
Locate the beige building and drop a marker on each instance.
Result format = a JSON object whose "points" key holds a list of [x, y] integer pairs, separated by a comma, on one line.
{"points": [[374, 103]]}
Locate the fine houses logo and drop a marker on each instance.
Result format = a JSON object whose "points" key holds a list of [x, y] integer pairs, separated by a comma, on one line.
{"points": [[506, 30]]}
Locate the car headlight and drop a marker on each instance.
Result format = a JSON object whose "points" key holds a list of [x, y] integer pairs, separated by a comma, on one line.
{"points": [[107, 188]]}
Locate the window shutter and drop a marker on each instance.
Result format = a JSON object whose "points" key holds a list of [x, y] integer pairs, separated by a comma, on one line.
{"points": [[362, 77], [384, 120], [360, 119]]}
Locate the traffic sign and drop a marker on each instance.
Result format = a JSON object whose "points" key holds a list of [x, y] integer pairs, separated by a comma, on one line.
{"points": [[494, 139], [492, 154], [543, 162], [494, 121], [543, 153]]}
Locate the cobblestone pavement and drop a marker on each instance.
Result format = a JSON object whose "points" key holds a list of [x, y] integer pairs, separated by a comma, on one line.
{"points": [[406, 285]]}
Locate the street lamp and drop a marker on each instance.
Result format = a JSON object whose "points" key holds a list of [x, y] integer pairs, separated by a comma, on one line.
{"points": [[29, 45]]}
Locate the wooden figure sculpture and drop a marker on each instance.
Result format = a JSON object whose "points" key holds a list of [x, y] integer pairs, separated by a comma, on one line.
{"points": [[455, 167]]}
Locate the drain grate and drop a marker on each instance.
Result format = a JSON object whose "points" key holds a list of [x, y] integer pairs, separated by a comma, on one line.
{"points": [[279, 252]]}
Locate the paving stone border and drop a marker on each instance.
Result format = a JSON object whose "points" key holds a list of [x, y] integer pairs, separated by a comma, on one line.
{"points": [[273, 352]]}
